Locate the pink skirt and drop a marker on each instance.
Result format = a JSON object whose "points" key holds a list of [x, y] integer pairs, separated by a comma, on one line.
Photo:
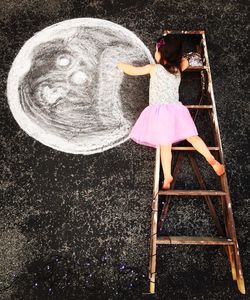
{"points": [[163, 123]]}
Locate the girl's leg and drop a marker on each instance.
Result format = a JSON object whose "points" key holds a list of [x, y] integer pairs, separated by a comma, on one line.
{"points": [[201, 147], [166, 158]]}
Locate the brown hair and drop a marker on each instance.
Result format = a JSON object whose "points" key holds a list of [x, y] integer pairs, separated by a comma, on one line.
{"points": [[171, 52]]}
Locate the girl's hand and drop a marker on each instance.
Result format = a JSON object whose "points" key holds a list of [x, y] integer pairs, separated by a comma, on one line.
{"points": [[120, 66]]}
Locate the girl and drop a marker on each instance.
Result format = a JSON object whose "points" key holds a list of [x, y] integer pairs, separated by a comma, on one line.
{"points": [[166, 120]]}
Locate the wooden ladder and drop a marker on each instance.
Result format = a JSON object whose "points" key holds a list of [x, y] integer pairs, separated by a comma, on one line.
{"points": [[227, 236]]}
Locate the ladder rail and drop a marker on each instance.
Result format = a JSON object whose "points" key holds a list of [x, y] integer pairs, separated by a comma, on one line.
{"points": [[211, 93], [230, 250], [223, 178], [154, 222]]}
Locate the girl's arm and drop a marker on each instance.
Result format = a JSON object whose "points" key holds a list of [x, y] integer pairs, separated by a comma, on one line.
{"points": [[134, 71]]}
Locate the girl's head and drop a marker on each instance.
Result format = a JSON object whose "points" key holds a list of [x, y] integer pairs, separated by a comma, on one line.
{"points": [[169, 52]]}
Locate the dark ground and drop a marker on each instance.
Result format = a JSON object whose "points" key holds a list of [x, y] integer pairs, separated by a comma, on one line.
{"points": [[77, 227]]}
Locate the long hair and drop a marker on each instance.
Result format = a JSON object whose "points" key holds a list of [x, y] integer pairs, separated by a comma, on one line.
{"points": [[171, 53]]}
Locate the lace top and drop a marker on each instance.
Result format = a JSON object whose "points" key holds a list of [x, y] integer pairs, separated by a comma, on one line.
{"points": [[164, 86]]}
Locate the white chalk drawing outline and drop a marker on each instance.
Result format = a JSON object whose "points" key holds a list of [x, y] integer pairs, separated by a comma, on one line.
{"points": [[18, 70]]}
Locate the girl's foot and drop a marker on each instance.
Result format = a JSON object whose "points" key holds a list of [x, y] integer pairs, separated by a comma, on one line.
{"points": [[166, 182], [218, 167]]}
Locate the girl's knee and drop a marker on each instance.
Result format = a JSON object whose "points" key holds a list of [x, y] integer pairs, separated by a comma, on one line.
{"points": [[192, 138]]}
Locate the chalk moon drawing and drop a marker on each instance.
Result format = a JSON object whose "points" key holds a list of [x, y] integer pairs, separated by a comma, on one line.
{"points": [[64, 88]]}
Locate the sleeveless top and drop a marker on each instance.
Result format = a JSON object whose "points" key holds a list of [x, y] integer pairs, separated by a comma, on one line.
{"points": [[164, 86]]}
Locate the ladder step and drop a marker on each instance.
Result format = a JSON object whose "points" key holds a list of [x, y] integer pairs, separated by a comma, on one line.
{"points": [[194, 240], [195, 69], [190, 148], [192, 192], [200, 106]]}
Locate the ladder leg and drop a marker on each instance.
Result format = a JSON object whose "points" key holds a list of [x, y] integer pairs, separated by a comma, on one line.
{"points": [[228, 248], [232, 250], [154, 221], [152, 259], [235, 247], [152, 252], [239, 274], [232, 261], [230, 224]]}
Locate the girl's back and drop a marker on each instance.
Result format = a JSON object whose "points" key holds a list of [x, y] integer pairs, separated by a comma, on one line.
{"points": [[164, 86]]}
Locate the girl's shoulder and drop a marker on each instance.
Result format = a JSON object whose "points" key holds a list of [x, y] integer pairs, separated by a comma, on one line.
{"points": [[184, 63], [153, 69], [160, 67]]}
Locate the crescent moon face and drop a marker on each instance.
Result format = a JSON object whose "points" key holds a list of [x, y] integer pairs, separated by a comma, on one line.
{"points": [[64, 88]]}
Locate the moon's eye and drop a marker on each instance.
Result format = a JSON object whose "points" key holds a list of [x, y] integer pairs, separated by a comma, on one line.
{"points": [[63, 61]]}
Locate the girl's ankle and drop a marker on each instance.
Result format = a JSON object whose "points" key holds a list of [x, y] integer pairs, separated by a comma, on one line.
{"points": [[211, 160], [168, 177]]}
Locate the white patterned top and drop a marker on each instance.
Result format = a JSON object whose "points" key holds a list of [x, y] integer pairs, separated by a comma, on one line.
{"points": [[164, 86]]}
